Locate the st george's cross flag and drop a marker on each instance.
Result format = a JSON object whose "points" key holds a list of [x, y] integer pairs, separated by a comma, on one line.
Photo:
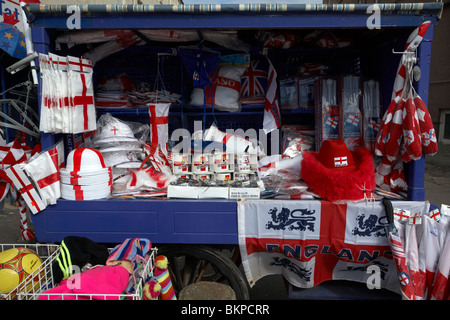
{"points": [[310, 242], [272, 116], [159, 126]]}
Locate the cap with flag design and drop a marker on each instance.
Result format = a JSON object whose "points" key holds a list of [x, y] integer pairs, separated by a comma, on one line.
{"points": [[83, 160], [336, 173], [85, 177], [112, 131]]}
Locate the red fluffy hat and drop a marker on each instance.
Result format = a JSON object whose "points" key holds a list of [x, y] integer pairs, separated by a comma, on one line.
{"points": [[336, 173]]}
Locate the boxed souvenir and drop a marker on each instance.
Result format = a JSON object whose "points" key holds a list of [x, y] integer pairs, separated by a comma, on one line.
{"points": [[306, 93], [289, 93], [244, 193], [327, 110], [185, 192], [371, 112], [351, 124], [213, 192]]}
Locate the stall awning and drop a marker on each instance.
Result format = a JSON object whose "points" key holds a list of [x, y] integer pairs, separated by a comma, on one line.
{"points": [[385, 8], [235, 16]]}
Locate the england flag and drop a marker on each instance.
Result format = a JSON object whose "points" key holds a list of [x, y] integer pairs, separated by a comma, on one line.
{"points": [[272, 116], [310, 242]]}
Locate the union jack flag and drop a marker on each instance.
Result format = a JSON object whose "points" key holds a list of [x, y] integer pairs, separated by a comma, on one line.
{"points": [[254, 79]]}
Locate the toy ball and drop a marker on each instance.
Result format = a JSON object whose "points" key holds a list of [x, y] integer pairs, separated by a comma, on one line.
{"points": [[15, 265]]}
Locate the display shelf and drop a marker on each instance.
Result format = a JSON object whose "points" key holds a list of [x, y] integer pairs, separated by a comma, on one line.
{"points": [[179, 221], [162, 221]]}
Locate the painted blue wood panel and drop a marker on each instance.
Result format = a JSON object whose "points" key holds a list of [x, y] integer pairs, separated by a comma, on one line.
{"points": [[161, 221]]}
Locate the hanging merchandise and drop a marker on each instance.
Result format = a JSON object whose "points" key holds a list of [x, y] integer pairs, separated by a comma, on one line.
{"points": [[67, 104], [159, 126], [272, 115], [200, 64], [419, 242], [327, 110], [371, 112], [336, 173], [36, 179], [406, 130], [254, 82], [224, 91], [351, 124], [44, 170]]}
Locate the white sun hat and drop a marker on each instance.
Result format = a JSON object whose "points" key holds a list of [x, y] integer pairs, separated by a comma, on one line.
{"points": [[85, 177], [77, 192], [114, 158], [102, 178], [84, 161], [112, 130]]}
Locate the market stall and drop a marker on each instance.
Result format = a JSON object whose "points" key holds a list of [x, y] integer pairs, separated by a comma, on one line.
{"points": [[174, 79]]}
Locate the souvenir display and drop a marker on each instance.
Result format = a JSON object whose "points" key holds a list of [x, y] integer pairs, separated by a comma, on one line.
{"points": [[284, 129]]}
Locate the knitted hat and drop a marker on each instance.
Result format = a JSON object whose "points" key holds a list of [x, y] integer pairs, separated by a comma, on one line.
{"points": [[336, 173]]}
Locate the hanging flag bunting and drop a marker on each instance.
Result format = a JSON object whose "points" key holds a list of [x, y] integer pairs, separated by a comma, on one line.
{"points": [[159, 126], [67, 103], [272, 116], [406, 131]]}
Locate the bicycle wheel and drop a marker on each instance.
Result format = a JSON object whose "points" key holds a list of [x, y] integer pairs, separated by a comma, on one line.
{"points": [[193, 263]]}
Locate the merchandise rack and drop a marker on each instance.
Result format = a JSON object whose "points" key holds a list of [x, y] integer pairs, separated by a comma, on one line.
{"points": [[41, 277], [213, 222]]}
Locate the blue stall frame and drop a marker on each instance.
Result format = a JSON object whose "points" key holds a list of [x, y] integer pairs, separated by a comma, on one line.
{"points": [[208, 221]]}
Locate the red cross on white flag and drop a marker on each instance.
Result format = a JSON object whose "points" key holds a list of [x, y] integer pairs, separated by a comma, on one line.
{"points": [[81, 95], [67, 104], [353, 119], [415, 219], [332, 122], [340, 161], [159, 125], [435, 214], [401, 214]]}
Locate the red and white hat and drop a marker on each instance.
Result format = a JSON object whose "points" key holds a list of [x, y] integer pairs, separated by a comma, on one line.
{"points": [[336, 173], [85, 177], [77, 192], [83, 162]]}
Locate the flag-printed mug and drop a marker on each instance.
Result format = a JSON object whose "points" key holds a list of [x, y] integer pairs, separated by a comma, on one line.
{"points": [[223, 162]]}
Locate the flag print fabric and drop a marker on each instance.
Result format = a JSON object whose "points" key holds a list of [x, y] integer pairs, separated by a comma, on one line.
{"points": [[67, 103], [310, 242], [406, 131], [420, 248], [272, 116], [254, 79]]}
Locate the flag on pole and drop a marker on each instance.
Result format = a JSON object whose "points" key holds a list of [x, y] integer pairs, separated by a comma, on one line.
{"points": [[272, 116]]}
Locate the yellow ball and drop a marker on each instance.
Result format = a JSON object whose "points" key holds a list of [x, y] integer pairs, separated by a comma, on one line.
{"points": [[15, 265]]}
